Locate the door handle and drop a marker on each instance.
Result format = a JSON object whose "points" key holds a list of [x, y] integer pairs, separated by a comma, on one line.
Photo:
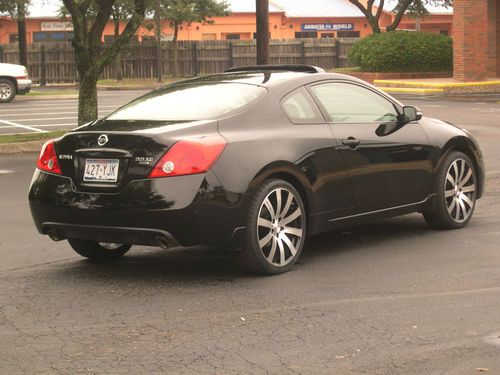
{"points": [[351, 142]]}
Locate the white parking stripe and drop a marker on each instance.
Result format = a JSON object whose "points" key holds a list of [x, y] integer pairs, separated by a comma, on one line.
{"points": [[7, 112], [44, 113], [22, 126]]}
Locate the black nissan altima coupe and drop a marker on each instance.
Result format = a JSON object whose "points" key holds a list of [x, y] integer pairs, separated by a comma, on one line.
{"points": [[256, 159]]}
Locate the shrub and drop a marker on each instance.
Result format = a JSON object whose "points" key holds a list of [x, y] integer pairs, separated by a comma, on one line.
{"points": [[403, 51]]}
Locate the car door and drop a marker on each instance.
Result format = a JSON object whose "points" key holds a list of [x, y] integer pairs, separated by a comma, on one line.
{"points": [[323, 165], [388, 162]]}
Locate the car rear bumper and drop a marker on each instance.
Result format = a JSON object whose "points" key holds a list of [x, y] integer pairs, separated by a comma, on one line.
{"points": [[23, 86], [187, 210]]}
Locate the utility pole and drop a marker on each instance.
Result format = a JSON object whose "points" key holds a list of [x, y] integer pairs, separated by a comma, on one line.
{"points": [[21, 32], [263, 50]]}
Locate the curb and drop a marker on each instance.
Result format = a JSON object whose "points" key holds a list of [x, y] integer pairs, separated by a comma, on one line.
{"points": [[412, 91], [19, 147], [45, 97], [124, 88]]}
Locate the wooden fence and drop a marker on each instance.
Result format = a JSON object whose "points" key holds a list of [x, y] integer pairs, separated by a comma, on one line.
{"points": [[55, 63]]}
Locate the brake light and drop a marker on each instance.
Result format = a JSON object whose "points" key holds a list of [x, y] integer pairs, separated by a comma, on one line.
{"points": [[47, 161], [187, 157]]}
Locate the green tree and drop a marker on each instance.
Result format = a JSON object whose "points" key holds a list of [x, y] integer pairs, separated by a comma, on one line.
{"points": [[178, 12], [17, 9], [89, 20], [373, 10]]}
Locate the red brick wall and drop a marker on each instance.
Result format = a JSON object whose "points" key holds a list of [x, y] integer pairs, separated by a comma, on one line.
{"points": [[497, 40], [492, 37], [470, 34]]}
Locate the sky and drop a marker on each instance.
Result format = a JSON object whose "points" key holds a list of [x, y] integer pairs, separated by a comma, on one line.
{"points": [[50, 8]]}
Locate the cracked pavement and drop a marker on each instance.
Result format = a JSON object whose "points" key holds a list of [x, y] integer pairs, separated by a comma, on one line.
{"points": [[393, 297]]}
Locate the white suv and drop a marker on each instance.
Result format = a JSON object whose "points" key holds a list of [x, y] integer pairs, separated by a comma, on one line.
{"points": [[13, 80]]}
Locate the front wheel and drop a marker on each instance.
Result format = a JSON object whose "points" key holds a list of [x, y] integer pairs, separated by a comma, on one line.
{"points": [[276, 229], [456, 193], [99, 251]]}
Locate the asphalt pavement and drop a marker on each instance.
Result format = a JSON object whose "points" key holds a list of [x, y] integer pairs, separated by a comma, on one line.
{"points": [[28, 115], [392, 297]]}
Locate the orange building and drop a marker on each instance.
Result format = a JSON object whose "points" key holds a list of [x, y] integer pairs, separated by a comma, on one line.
{"points": [[288, 19]]}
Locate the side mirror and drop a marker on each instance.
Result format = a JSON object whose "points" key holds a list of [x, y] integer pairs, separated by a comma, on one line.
{"points": [[411, 113]]}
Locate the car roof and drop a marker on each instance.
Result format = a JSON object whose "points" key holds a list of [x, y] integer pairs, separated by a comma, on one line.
{"points": [[267, 78]]}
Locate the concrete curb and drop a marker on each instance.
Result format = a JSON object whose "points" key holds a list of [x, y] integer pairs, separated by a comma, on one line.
{"points": [[123, 88], [19, 147], [46, 97]]}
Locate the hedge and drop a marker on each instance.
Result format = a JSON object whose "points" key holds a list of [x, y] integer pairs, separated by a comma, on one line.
{"points": [[403, 51]]}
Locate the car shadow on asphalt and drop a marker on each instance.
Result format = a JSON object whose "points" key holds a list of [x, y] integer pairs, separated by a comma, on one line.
{"points": [[196, 264]]}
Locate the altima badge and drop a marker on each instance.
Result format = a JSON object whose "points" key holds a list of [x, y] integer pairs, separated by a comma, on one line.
{"points": [[102, 140]]}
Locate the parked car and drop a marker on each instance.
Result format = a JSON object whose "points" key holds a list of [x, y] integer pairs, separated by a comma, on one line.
{"points": [[13, 80], [256, 159]]}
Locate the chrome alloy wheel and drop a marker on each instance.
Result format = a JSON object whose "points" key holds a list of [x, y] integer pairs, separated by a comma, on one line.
{"points": [[5, 91], [280, 227], [460, 190]]}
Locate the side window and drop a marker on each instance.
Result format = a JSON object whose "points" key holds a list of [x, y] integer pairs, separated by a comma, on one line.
{"points": [[349, 103], [300, 109]]}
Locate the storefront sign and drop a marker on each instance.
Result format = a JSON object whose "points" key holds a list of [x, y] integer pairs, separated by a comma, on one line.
{"points": [[327, 26], [56, 26]]}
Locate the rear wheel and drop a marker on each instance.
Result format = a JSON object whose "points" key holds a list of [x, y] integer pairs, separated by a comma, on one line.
{"points": [[7, 90], [99, 251], [276, 229], [456, 193]]}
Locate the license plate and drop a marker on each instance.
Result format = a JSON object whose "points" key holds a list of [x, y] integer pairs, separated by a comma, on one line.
{"points": [[101, 170]]}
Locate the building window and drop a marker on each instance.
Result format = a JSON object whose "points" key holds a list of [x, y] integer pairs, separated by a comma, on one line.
{"points": [[209, 36], [233, 36], [306, 34], [347, 34], [52, 36], [443, 32], [13, 38], [147, 39], [328, 35]]}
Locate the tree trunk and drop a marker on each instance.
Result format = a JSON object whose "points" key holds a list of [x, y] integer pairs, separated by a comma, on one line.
{"points": [[262, 7], [374, 25], [418, 24], [21, 30], [157, 21], [87, 98], [118, 59], [175, 61]]}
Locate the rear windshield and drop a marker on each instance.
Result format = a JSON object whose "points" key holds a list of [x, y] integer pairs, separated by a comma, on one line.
{"points": [[190, 102]]}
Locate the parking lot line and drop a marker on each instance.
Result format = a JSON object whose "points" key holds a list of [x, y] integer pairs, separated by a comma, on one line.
{"points": [[12, 111], [22, 126]]}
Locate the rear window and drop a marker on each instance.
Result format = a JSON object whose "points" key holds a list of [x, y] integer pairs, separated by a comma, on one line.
{"points": [[190, 102]]}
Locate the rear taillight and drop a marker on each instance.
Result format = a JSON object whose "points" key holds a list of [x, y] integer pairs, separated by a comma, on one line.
{"points": [[47, 161], [190, 156]]}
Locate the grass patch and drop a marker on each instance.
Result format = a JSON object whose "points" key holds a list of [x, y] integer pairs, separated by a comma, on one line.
{"points": [[53, 92], [16, 138]]}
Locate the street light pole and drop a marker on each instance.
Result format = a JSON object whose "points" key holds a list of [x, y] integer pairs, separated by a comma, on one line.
{"points": [[262, 13]]}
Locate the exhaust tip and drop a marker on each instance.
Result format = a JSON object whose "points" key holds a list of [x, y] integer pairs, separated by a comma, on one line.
{"points": [[55, 236], [163, 242]]}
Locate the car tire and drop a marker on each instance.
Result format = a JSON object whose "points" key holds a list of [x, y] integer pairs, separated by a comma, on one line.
{"points": [[276, 229], [7, 90], [456, 187], [99, 252]]}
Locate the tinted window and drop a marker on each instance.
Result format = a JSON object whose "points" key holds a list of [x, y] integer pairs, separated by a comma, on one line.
{"points": [[299, 108], [348, 103], [190, 102]]}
